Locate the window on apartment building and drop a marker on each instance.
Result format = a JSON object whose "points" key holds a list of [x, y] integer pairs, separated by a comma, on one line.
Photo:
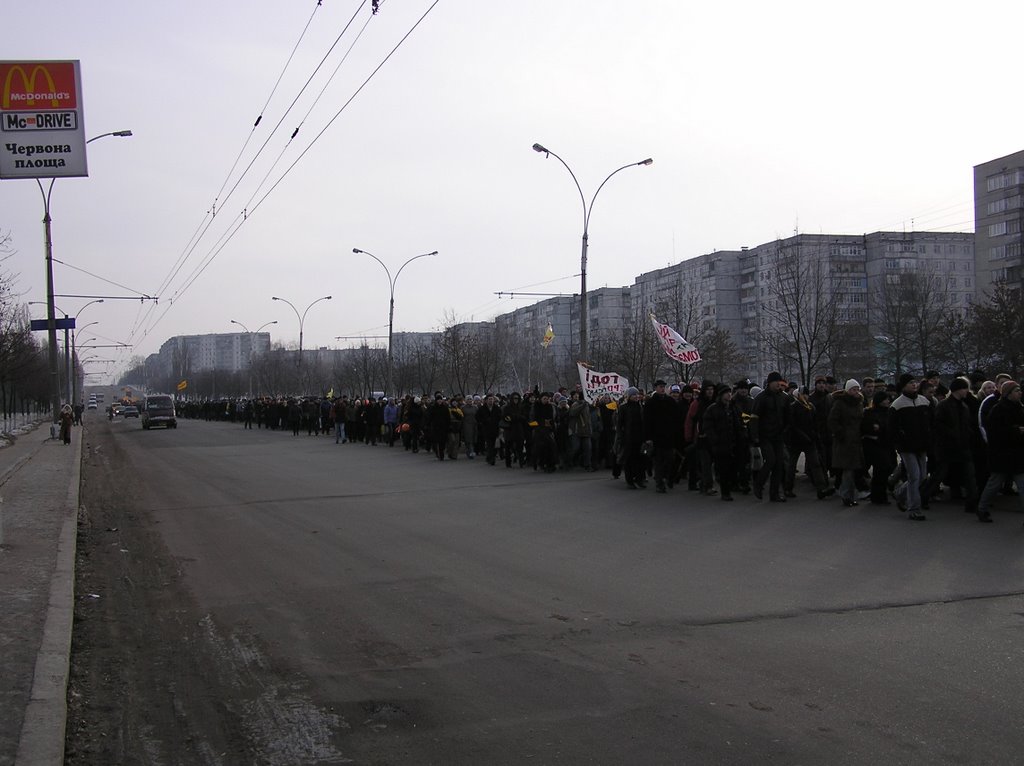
{"points": [[968, 282], [892, 263], [997, 229]]}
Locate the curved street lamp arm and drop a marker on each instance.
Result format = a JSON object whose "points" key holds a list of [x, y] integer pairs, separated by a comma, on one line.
{"points": [[391, 282], [583, 199], [235, 321], [424, 255], [302, 321], [274, 321], [284, 300], [590, 210]]}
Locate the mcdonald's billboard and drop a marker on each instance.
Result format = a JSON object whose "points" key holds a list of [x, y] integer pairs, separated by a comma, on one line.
{"points": [[42, 133]]}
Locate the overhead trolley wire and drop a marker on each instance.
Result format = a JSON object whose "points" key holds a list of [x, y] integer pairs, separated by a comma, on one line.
{"points": [[218, 248], [273, 90], [212, 212]]}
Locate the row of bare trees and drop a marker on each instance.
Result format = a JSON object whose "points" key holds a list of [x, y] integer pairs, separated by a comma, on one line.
{"points": [[24, 372], [810, 321]]}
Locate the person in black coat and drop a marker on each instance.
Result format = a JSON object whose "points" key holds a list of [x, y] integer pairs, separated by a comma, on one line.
{"points": [[438, 420], [768, 427], [513, 421], [1005, 430], [488, 422], [725, 437], [954, 434], [662, 421], [629, 439], [802, 437], [545, 455], [879, 452]]}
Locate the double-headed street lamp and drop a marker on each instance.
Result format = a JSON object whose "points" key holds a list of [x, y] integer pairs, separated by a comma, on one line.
{"points": [[391, 306], [250, 334], [51, 322], [587, 210], [69, 359], [301, 318]]}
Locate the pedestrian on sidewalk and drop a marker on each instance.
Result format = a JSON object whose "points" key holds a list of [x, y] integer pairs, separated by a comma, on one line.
{"points": [[67, 418]]}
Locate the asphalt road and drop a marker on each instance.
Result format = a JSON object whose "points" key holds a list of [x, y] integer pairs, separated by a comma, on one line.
{"points": [[374, 606]]}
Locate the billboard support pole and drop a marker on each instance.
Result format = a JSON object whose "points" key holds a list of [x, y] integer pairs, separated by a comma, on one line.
{"points": [[51, 324]]}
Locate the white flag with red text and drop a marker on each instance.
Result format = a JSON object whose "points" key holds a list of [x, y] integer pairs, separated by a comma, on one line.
{"points": [[674, 344]]}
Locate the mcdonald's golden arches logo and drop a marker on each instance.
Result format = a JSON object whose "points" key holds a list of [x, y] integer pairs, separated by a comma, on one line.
{"points": [[37, 85]]}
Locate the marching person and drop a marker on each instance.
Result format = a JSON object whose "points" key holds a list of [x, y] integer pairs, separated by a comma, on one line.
{"points": [[844, 423], [910, 422]]}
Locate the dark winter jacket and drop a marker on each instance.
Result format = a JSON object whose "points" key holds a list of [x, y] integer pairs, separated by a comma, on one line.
{"points": [[954, 431], [488, 419], [770, 420], [803, 426], [662, 421], [844, 421], [910, 423], [724, 429], [629, 429], [1005, 440]]}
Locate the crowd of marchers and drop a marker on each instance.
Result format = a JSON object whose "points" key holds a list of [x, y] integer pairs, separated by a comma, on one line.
{"points": [[908, 443]]}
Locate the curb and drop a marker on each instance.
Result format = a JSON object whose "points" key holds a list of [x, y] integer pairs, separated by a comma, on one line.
{"points": [[43, 730]]}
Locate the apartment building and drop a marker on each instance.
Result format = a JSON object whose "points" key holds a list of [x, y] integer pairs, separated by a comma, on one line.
{"points": [[998, 220]]}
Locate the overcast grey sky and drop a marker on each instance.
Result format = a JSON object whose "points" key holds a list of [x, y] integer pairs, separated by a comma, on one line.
{"points": [[760, 117]]}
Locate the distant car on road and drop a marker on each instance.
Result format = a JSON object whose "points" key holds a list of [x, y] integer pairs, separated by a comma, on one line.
{"points": [[91, 406], [129, 412], [158, 410]]}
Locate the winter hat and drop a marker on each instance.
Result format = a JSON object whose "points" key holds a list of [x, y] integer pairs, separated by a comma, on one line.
{"points": [[851, 383], [755, 390], [958, 384], [659, 382], [725, 388], [1008, 388], [632, 391], [675, 388], [905, 378], [881, 396], [773, 377]]}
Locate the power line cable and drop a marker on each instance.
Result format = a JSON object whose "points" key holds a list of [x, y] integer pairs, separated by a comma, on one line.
{"points": [[212, 213], [267, 102], [218, 249]]}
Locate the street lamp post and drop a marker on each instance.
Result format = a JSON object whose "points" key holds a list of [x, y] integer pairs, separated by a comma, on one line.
{"points": [[250, 334], [51, 321], [391, 306], [587, 210], [74, 356], [301, 318]]}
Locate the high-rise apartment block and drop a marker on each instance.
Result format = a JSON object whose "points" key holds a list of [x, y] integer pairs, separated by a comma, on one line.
{"points": [[998, 219]]}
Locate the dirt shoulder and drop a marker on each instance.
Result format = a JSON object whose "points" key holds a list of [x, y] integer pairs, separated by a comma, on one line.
{"points": [[143, 687]]}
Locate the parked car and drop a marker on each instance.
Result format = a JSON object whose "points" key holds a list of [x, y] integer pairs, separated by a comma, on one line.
{"points": [[129, 412], [158, 410], [91, 406]]}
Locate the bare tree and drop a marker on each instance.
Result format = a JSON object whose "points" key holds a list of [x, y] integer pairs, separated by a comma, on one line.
{"points": [[1000, 321], [633, 351], [488, 359], [720, 358], [799, 318], [458, 347]]}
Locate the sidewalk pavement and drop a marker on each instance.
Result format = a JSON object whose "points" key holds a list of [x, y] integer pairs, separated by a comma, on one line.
{"points": [[39, 483]]}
